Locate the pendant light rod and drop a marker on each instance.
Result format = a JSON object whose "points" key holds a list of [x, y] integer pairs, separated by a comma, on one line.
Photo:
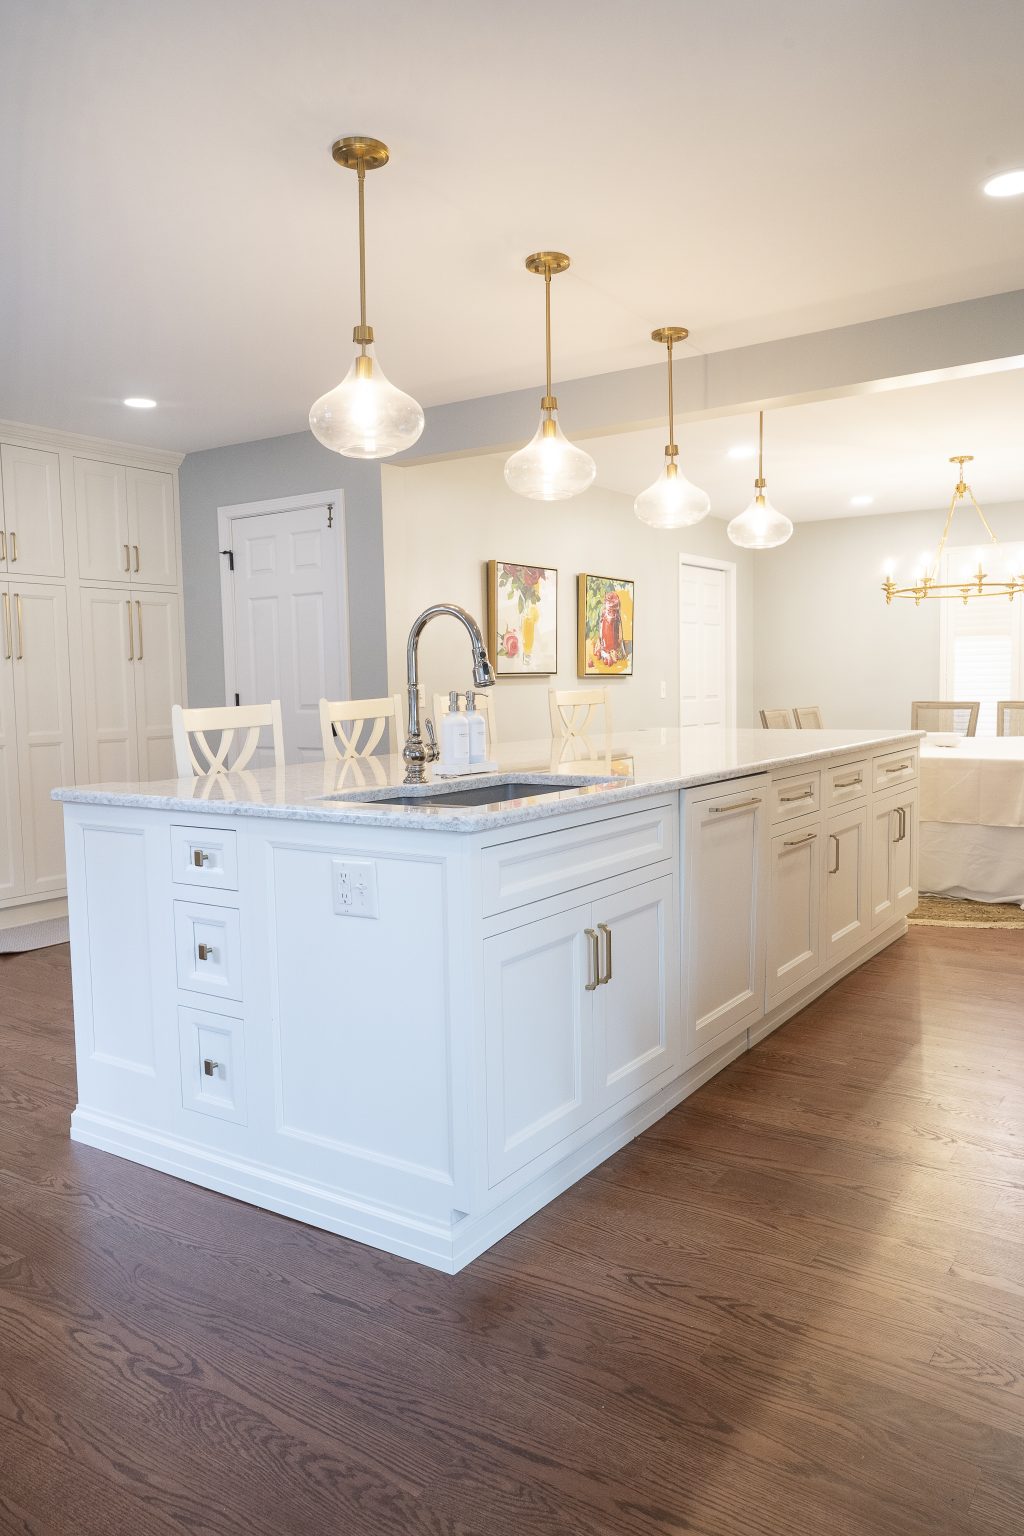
{"points": [[760, 482], [547, 264], [363, 327], [667, 336], [361, 154]]}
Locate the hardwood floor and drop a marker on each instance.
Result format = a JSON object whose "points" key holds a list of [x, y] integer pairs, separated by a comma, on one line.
{"points": [[796, 1305]]}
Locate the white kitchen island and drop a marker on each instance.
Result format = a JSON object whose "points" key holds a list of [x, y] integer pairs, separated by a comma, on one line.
{"points": [[415, 1023]]}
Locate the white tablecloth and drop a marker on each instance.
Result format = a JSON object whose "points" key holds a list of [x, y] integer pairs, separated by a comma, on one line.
{"points": [[972, 819]]}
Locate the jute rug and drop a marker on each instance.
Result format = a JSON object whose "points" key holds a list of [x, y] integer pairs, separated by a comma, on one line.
{"points": [[947, 912]]}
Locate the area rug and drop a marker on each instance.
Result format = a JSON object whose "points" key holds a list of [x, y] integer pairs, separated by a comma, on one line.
{"points": [[947, 912], [15, 941]]}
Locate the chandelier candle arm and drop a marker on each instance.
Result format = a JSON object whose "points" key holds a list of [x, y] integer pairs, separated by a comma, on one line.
{"points": [[365, 416], [979, 584], [760, 525], [672, 501], [549, 468]]}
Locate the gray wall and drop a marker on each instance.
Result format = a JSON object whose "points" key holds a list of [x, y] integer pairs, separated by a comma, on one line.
{"points": [[279, 466], [823, 633]]}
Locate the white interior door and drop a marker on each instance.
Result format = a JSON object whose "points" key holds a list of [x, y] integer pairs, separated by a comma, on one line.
{"points": [[707, 683], [42, 704], [286, 613]]}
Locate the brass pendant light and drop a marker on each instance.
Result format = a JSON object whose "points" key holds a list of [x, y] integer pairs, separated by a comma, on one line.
{"points": [[365, 416], [672, 501], [760, 525]]}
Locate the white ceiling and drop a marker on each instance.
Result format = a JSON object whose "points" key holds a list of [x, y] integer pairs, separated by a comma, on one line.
{"points": [[893, 446], [173, 224]]}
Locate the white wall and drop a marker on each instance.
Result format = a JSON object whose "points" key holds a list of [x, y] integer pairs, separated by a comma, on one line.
{"points": [[443, 522], [822, 629]]}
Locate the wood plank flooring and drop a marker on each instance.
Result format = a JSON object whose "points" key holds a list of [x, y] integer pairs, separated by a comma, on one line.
{"points": [[796, 1305]]}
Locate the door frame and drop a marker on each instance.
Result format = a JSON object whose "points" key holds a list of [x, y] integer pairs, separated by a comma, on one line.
{"points": [[226, 519], [729, 569]]}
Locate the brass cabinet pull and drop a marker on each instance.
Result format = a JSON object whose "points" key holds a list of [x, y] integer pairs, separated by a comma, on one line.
{"points": [[205, 951], [131, 632], [849, 783], [604, 928], [14, 547], [805, 794], [595, 963], [21, 627], [138, 567], [3, 546], [199, 858], [138, 615], [739, 805], [901, 813], [900, 768], [127, 558], [798, 842], [833, 839], [9, 652]]}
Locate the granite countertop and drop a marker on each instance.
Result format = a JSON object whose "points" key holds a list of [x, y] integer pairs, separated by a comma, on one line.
{"points": [[634, 765]]}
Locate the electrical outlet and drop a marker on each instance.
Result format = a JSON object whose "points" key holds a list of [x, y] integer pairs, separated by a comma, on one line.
{"points": [[354, 885]]}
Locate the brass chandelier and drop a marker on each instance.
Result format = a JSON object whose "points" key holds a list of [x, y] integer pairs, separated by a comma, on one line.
{"points": [[979, 583]]}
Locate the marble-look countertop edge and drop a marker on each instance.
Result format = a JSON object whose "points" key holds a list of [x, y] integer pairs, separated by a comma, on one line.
{"points": [[355, 812]]}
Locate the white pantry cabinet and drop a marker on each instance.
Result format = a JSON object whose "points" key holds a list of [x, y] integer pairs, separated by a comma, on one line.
{"points": [[127, 528], [725, 893], [131, 656], [12, 871], [31, 525]]}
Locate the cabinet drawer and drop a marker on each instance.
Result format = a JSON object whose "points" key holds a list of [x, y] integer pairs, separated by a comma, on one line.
{"points": [[894, 769], [797, 796], [208, 949], [532, 868], [212, 1064], [204, 856], [850, 782]]}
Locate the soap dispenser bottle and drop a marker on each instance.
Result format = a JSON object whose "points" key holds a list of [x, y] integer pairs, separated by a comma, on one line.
{"points": [[454, 736], [477, 730]]}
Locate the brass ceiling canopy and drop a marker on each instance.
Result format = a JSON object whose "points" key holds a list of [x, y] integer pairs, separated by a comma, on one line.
{"points": [[979, 583], [547, 263], [669, 334], [359, 151]]}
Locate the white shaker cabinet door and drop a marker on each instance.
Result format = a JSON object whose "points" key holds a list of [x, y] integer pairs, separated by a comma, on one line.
{"points": [[794, 910], [885, 826], [157, 679], [725, 888], [847, 902], [101, 515], [539, 1038], [905, 855], [42, 706], [34, 543], [151, 527], [108, 655], [637, 1033], [12, 874]]}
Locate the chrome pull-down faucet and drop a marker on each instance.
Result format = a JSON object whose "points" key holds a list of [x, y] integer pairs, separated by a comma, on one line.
{"points": [[416, 753]]}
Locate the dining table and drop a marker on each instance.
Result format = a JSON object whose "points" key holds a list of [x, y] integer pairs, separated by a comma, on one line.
{"points": [[972, 817]]}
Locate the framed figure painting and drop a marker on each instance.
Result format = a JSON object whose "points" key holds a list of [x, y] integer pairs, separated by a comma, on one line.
{"points": [[522, 618], [604, 626]]}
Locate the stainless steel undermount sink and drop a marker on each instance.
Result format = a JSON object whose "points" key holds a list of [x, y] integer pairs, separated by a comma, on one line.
{"points": [[480, 794]]}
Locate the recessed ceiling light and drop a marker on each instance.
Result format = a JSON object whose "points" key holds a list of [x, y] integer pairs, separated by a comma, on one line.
{"points": [[861, 501], [140, 403], [1006, 184], [742, 451]]}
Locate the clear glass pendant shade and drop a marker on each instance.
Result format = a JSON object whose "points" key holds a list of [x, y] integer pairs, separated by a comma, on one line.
{"points": [[672, 501], [549, 468], [760, 526], [365, 416]]}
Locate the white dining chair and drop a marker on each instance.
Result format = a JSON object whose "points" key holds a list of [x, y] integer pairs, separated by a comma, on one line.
{"points": [[484, 703], [572, 710], [808, 717], [956, 715], [776, 719], [196, 756], [1010, 717], [356, 727]]}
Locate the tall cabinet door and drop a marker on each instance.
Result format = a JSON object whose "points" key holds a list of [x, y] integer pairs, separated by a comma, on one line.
{"points": [[101, 512], [35, 533], [42, 704], [794, 919], [637, 1033], [12, 874], [885, 828], [847, 903], [108, 654], [151, 529], [725, 896], [157, 679], [905, 856]]}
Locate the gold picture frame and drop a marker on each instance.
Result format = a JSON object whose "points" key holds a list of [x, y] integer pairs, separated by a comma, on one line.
{"points": [[522, 619], [604, 626]]}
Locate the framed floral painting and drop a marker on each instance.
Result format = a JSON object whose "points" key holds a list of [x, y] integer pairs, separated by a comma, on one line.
{"points": [[604, 626], [522, 616]]}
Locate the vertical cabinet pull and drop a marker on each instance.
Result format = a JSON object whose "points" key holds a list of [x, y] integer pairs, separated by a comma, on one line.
{"points": [[21, 627], [14, 547], [902, 814], [138, 566], [127, 558], [138, 615], [9, 647], [604, 928], [595, 961], [3, 547], [834, 869], [131, 632]]}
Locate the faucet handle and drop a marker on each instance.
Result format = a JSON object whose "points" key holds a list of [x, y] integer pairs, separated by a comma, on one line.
{"points": [[432, 753]]}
